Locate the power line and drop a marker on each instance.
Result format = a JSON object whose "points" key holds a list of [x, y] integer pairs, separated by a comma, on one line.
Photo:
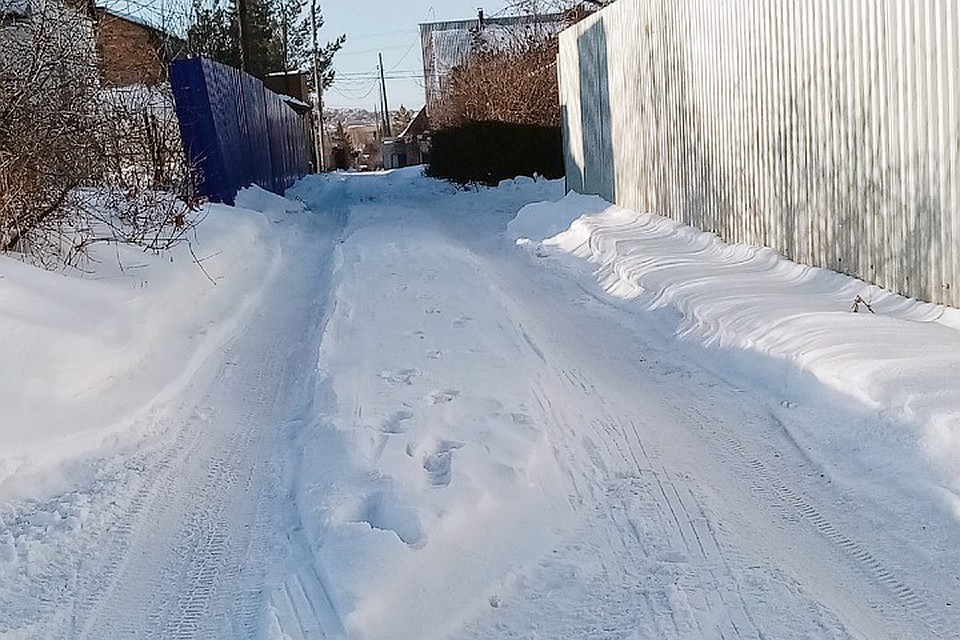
{"points": [[354, 97], [365, 36], [376, 73], [389, 76], [375, 50], [405, 53]]}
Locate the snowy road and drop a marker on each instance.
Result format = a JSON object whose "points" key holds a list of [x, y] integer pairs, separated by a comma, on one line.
{"points": [[419, 431]]}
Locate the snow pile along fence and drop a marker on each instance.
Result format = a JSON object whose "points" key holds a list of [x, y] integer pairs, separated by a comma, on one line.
{"points": [[825, 130], [235, 131]]}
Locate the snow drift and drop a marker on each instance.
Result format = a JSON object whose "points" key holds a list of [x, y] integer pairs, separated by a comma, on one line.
{"points": [[91, 351], [898, 355]]}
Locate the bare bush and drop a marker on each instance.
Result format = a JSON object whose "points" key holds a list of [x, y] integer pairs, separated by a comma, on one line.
{"points": [[78, 164], [514, 83], [140, 138], [145, 183], [48, 82]]}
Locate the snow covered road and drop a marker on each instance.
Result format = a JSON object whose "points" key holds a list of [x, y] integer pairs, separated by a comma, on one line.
{"points": [[419, 430]]}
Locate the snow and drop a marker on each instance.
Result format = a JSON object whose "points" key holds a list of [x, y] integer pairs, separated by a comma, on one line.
{"points": [[902, 359], [402, 410], [431, 414], [88, 353]]}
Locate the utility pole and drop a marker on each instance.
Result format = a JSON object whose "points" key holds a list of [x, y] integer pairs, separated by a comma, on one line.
{"points": [[242, 32], [318, 87], [386, 109], [284, 37]]}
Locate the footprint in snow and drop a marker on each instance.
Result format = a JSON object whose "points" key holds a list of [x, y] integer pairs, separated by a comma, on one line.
{"points": [[444, 396], [382, 510], [394, 424], [438, 463], [401, 376]]}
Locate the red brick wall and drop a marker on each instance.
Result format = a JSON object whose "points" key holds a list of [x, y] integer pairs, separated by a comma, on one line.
{"points": [[130, 53]]}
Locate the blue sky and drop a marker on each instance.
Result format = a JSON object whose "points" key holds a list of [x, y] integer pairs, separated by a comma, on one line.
{"points": [[391, 27]]}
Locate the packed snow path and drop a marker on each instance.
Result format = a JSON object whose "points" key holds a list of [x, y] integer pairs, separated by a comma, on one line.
{"points": [[419, 430]]}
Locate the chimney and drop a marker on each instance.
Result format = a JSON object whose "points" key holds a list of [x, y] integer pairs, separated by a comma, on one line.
{"points": [[480, 16]]}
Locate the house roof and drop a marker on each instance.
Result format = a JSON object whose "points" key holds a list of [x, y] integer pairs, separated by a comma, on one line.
{"points": [[116, 13], [447, 45], [299, 106], [503, 21], [175, 46], [417, 125]]}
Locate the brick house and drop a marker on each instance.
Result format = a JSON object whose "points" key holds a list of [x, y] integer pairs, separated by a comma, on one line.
{"points": [[134, 52]]}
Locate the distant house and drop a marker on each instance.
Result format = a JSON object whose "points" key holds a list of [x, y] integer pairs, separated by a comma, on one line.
{"points": [[289, 83], [134, 52], [411, 147], [366, 142]]}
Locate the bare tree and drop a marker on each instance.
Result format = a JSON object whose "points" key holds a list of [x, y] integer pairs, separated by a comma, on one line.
{"points": [[79, 164], [48, 82], [539, 7], [514, 82]]}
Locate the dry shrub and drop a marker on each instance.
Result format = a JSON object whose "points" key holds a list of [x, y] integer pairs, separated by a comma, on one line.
{"points": [[498, 115], [78, 164], [48, 83], [140, 139], [516, 84]]}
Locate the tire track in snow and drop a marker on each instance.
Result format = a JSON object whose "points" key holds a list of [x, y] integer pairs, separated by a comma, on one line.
{"points": [[900, 597], [155, 492], [692, 605], [301, 598], [196, 557], [190, 555], [764, 480], [303, 606]]}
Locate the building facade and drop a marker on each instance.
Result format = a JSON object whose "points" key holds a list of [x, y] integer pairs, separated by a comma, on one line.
{"points": [[134, 52]]}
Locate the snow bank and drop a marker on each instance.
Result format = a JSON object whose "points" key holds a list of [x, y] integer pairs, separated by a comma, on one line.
{"points": [[271, 204], [903, 359], [545, 219], [88, 354]]}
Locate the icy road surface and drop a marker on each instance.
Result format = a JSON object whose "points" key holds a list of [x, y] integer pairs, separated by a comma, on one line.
{"points": [[415, 429]]}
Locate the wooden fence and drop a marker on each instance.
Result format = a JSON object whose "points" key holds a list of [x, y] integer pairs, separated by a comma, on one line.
{"points": [[828, 130]]}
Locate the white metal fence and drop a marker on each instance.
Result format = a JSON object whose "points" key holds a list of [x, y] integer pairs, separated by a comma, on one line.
{"points": [[826, 129]]}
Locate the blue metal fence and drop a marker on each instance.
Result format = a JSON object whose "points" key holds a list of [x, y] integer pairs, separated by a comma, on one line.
{"points": [[236, 132]]}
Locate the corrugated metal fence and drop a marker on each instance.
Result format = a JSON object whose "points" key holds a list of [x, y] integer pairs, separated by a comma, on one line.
{"points": [[825, 129], [236, 132]]}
